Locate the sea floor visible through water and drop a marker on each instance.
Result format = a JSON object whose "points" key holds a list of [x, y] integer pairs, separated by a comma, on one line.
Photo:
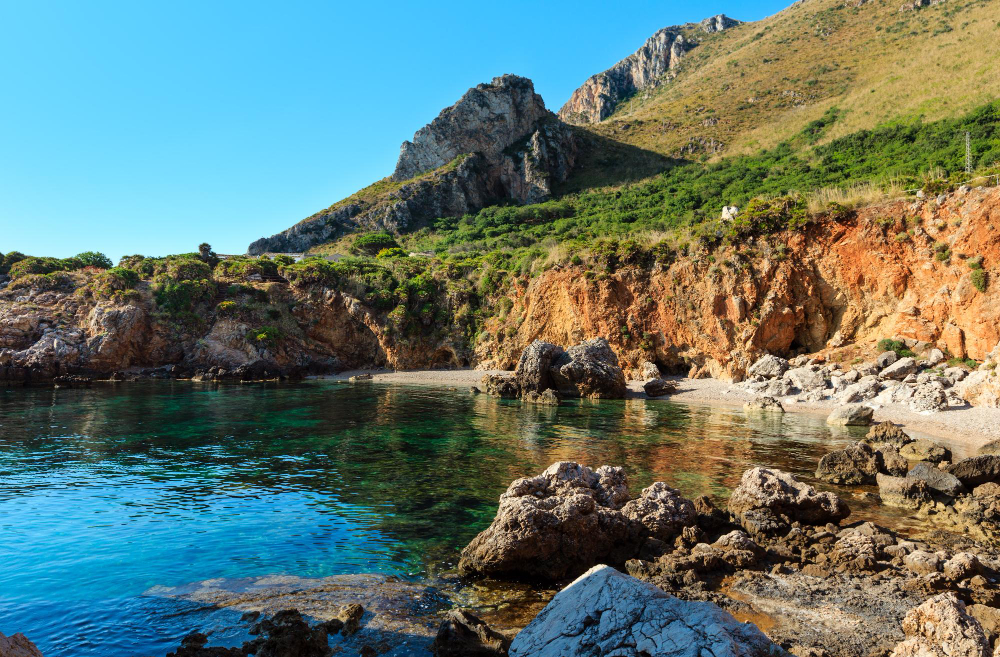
{"points": [[115, 498]]}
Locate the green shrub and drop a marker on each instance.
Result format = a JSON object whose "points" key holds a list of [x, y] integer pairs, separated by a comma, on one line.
{"points": [[897, 346], [9, 260], [372, 243], [975, 263], [244, 267], [943, 256], [268, 335], [180, 296], [282, 260], [33, 265], [115, 279], [94, 259], [140, 264], [936, 187], [43, 282], [979, 279], [227, 308], [183, 268], [763, 216], [392, 252]]}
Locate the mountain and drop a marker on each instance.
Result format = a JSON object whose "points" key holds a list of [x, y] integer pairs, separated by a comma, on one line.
{"points": [[701, 92]]}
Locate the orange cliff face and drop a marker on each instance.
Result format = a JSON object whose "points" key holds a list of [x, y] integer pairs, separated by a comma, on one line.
{"points": [[896, 270]]}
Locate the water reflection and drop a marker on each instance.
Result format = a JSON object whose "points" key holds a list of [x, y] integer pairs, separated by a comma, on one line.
{"points": [[108, 491]]}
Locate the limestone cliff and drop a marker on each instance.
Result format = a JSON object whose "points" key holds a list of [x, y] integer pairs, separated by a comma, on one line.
{"points": [[498, 142], [598, 97]]}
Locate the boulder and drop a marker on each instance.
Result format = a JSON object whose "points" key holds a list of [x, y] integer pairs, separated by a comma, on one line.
{"points": [[934, 357], [942, 627], [901, 369], [589, 369], [806, 378], [863, 390], [924, 450], [784, 495], [977, 470], [857, 464], [902, 492], [769, 367], [648, 370], [962, 566], [18, 645], [892, 463], [568, 519], [885, 359], [462, 634], [533, 368], [921, 562], [763, 405], [605, 613], [501, 385], [992, 447], [547, 398], [929, 397], [851, 415], [887, 433], [937, 479], [659, 387]]}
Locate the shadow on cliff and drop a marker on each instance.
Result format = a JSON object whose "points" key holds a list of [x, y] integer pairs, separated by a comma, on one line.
{"points": [[603, 161]]}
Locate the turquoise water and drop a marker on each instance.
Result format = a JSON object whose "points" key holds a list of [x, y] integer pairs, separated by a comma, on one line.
{"points": [[107, 492]]}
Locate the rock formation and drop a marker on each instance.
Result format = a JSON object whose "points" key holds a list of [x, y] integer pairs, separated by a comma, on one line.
{"points": [[589, 369], [942, 626], [605, 612], [598, 97], [568, 519], [497, 142], [767, 501]]}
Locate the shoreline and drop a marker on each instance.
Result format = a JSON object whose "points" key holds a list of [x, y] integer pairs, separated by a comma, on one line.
{"points": [[968, 428]]}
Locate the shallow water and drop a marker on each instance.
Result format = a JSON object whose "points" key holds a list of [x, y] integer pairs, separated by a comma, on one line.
{"points": [[108, 492]]}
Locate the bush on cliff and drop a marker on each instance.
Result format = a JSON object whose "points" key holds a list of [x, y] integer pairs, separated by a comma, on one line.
{"points": [[243, 267], [33, 265], [979, 279], [7, 261], [94, 259], [43, 282], [372, 243], [112, 282]]}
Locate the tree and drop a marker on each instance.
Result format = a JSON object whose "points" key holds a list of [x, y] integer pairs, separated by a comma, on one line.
{"points": [[206, 253], [95, 259]]}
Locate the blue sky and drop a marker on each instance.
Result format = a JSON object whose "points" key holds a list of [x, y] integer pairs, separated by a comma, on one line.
{"points": [[149, 127]]}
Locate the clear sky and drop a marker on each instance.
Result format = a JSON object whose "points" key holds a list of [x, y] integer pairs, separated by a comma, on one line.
{"points": [[149, 127]]}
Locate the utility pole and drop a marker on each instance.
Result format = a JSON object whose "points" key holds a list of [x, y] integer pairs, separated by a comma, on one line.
{"points": [[968, 154]]}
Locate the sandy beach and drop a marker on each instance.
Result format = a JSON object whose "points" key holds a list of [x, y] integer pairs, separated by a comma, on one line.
{"points": [[969, 427]]}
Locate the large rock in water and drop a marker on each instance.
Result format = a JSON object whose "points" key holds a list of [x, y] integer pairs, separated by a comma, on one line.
{"points": [[589, 369], [857, 464], [977, 470], [18, 645], [941, 627], [781, 494], [462, 634], [605, 613], [568, 519], [851, 415], [533, 368]]}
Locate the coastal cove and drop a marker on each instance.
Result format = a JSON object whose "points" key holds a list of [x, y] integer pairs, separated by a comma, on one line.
{"points": [[114, 492]]}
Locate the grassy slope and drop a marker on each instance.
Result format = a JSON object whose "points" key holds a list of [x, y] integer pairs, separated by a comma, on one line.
{"points": [[765, 81]]}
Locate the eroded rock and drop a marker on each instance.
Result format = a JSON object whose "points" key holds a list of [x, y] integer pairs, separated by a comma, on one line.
{"points": [[783, 495], [941, 627]]}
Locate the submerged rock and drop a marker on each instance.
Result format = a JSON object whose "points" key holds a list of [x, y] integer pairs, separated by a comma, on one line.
{"points": [[937, 479], [763, 405], [547, 398], [569, 518], [857, 464], [464, 635], [501, 385], [605, 612], [924, 450], [903, 492], [887, 433]]}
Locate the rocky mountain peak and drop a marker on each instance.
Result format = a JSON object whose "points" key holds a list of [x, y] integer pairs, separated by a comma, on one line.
{"points": [[487, 119], [598, 97]]}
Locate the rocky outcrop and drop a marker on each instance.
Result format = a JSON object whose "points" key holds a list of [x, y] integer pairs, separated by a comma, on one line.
{"points": [[462, 634], [851, 415], [859, 464], [589, 369], [18, 645], [598, 97], [568, 519], [767, 501], [605, 612], [497, 142]]}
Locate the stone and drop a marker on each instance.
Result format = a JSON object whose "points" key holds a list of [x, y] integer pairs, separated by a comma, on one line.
{"points": [[589, 369], [857, 464], [547, 398], [902, 492], [806, 378], [863, 390], [360, 378], [569, 518], [929, 397], [659, 387], [977, 470], [988, 617], [935, 357], [892, 463], [924, 450], [962, 566], [937, 479], [729, 212], [501, 385], [606, 612], [763, 405], [992, 447], [350, 617], [887, 433], [901, 369], [885, 359], [533, 367], [851, 415], [922, 562], [942, 627], [462, 634], [648, 370], [769, 367], [784, 495], [18, 645]]}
